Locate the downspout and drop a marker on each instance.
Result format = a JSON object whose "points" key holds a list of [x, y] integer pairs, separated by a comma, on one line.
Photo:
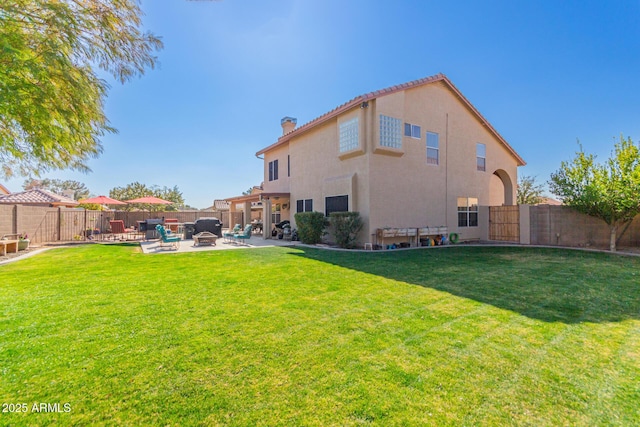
{"points": [[446, 167]]}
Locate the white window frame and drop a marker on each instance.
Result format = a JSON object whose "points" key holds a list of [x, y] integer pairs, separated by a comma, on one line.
{"points": [[433, 160], [276, 215], [307, 205], [481, 157], [467, 212], [412, 131]]}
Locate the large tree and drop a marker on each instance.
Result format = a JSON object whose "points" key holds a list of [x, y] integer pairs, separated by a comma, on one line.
{"points": [[529, 191], [51, 97], [136, 190], [609, 191]]}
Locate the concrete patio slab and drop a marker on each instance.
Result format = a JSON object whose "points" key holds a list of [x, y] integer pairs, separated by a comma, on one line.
{"points": [[153, 247]]}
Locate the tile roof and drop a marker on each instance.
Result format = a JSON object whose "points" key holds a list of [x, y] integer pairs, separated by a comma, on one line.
{"points": [[37, 196], [387, 91]]}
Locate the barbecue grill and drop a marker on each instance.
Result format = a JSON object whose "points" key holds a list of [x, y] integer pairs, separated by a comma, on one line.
{"points": [[149, 228]]}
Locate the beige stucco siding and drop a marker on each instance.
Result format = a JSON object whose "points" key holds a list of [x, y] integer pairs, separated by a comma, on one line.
{"points": [[406, 191], [396, 186], [280, 185], [319, 172]]}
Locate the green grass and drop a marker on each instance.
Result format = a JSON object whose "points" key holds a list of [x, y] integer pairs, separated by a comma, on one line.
{"points": [[276, 336]]}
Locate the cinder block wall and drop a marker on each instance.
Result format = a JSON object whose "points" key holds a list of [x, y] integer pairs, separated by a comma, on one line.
{"points": [[7, 219], [562, 226], [40, 224]]}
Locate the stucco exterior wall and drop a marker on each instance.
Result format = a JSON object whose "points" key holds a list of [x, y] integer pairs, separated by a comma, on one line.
{"points": [[281, 184], [408, 192], [318, 171], [397, 187]]}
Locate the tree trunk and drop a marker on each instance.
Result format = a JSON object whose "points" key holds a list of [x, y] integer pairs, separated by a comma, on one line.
{"points": [[612, 241]]}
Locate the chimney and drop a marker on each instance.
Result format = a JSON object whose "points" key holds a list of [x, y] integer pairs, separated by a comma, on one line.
{"points": [[288, 124], [70, 194]]}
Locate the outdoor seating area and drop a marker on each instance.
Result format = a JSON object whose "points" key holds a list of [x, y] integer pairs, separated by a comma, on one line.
{"points": [[234, 238]]}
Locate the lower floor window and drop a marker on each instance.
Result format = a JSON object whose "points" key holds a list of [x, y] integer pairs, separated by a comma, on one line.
{"points": [[467, 212], [336, 204], [304, 205], [275, 213]]}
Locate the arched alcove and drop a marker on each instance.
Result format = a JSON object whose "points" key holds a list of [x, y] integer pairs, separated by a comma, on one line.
{"points": [[501, 190]]}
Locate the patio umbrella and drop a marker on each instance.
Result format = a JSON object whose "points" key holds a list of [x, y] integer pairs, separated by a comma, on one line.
{"points": [[102, 200], [150, 200]]}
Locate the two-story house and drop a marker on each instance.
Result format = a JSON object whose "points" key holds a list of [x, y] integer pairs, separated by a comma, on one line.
{"points": [[417, 154]]}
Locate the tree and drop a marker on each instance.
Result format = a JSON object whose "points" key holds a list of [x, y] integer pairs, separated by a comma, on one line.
{"points": [[58, 186], [136, 190], [609, 191], [131, 191], [172, 194], [529, 192], [51, 98]]}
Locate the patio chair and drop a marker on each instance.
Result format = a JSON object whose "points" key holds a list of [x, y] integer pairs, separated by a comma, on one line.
{"points": [[117, 227], [165, 239], [245, 235], [171, 224], [228, 236]]}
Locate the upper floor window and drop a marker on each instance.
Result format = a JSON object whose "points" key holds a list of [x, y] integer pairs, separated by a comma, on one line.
{"points": [[273, 170], [481, 157], [467, 212], [412, 130], [433, 148], [349, 135], [390, 132]]}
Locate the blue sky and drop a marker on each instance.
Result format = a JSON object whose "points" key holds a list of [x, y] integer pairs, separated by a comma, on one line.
{"points": [[543, 73]]}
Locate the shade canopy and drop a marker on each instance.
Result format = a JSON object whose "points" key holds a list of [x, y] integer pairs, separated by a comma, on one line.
{"points": [[150, 200], [102, 200]]}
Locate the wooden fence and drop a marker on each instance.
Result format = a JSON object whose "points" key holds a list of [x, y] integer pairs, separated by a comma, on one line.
{"points": [[504, 223]]}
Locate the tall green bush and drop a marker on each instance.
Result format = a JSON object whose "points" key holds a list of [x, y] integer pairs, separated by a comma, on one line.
{"points": [[311, 226], [345, 227]]}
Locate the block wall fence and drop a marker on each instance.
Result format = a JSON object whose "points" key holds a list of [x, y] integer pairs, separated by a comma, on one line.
{"points": [[538, 225], [46, 225], [562, 226]]}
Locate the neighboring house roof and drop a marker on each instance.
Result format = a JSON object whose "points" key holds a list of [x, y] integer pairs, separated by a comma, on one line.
{"points": [[550, 201], [387, 91], [220, 205], [37, 196], [4, 190]]}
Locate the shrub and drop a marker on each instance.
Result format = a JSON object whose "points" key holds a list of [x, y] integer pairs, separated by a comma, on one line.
{"points": [[346, 226], [310, 226]]}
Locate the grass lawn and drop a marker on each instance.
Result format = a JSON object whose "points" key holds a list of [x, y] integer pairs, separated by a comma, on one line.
{"points": [[278, 336]]}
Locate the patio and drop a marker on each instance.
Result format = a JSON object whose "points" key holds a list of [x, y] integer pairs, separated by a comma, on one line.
{"points": [[256, 241]]}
